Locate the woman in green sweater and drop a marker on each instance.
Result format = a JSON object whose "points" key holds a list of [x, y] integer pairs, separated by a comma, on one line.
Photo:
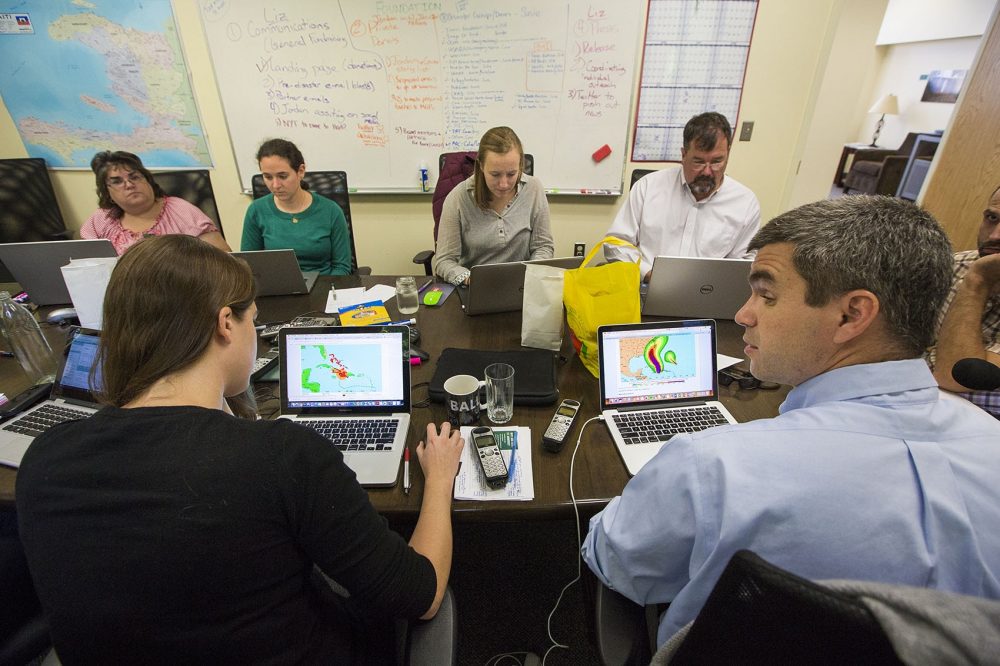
{"points": [[292, 217]]}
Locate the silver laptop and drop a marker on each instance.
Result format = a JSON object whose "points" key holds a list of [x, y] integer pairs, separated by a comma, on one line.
{"points": [[37, 266], [352, 385], [500, 287], [658, 380], [277, 272], [71, 398], [697, 287]]}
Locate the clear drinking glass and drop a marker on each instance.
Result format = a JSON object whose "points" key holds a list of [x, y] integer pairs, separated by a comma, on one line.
{"points": [[407, 299], [499, 392]]}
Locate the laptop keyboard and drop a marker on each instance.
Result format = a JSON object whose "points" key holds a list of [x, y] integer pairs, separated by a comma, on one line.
{"points": [[660, 425], [43, 418], [356, 434]]}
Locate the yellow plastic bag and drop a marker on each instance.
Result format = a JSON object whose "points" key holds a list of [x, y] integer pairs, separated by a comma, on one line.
{"points": [[599, 295]]}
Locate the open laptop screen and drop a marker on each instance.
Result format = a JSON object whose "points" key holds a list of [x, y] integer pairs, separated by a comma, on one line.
{"points": [[73, 379], [657, 362], [345, 369]]}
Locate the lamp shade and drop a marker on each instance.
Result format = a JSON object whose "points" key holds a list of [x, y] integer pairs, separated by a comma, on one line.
{"points": [[886, 104]]}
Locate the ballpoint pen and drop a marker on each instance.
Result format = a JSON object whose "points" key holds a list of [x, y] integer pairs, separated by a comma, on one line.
{"points": [[406, 471], [424, 286], [513, 462]]}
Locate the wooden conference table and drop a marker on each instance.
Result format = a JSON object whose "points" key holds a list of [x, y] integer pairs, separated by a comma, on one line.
{"points": [[599, 473]]}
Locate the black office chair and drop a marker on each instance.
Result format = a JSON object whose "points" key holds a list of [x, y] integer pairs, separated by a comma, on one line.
{"points": [[758, 613], [28, 207], [431, 642], [637, 174], [195, 187], [461, 165], [24, 633], [332, 185]]}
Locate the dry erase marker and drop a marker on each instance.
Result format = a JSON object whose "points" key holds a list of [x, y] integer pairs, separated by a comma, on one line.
{"points": [[406, 470]]}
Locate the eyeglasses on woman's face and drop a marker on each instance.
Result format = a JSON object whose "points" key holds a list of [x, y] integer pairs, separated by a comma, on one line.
{"points": [[133, 178]]}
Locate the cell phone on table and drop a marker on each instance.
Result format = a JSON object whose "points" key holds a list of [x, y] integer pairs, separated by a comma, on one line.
{"points": [[490, 458], [263, 365], [555, 435]]}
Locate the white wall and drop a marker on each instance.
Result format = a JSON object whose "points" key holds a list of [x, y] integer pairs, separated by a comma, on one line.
{"points": [[900, 72], [923, 20], [843, 87]]}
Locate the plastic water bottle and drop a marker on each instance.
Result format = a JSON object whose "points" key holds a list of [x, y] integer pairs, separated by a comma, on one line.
{"points": [[26, 341]]}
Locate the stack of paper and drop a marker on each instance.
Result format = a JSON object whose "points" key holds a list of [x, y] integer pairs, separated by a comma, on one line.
{"points": [[470, 484], [341, 298]]}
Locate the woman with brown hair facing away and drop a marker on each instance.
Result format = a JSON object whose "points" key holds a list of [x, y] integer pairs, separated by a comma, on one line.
{"points": [[164, 529]]}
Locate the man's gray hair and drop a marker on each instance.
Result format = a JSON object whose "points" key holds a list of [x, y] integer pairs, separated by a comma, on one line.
{"points": [[888, 246]]}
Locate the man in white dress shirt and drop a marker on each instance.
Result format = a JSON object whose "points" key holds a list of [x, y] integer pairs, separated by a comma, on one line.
{"points": [[693, 211]]}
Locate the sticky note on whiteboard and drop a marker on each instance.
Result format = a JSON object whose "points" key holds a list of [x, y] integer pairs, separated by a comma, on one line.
{"points": [[601, 153]]}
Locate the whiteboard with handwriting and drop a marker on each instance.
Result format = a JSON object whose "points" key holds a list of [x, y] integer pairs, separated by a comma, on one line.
{"points": [[380, 88]]}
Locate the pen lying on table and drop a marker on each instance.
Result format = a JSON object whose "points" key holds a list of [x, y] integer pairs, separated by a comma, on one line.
{"points": [[406, 471]]}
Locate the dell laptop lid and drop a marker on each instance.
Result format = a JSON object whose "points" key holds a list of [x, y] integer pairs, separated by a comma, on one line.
{"points": [[697, 287], [277, 272], [500, 287], [37, 266]]}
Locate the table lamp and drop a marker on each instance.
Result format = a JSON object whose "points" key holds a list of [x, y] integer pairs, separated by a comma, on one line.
{"points": [[885, 104]]}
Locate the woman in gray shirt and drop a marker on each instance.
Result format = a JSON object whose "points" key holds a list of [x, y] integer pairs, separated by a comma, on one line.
{"points": [[498, 214]]}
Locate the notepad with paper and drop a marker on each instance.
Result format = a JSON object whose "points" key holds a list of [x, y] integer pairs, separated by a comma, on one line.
{"points": [[470, 484]]}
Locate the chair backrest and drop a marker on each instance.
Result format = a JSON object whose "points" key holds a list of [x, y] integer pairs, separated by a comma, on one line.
{"points": [[28, 207], [760, 613], [330, 184], [907, 145], [637, 174], [195, 187], [453, 168]]}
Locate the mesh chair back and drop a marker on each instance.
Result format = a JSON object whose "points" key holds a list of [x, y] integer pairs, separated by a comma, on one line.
{"points": [[758, 613], [330, 184], [195, 187], [28, 207]]}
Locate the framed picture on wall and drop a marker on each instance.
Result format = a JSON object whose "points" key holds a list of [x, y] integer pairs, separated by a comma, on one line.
{"points": [[943, 85]]}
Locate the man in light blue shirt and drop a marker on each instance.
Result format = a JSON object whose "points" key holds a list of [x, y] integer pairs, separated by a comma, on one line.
{"points": [[870, 471]]}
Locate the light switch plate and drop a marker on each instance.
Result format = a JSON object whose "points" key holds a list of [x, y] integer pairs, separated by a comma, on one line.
{"points": [[746, 131]]}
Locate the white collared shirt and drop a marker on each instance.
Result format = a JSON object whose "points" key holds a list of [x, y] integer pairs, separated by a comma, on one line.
{"points": [[662, 217]]}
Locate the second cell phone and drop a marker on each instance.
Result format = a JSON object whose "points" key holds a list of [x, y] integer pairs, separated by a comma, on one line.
{"points": [[490, 459], [555, 435]]}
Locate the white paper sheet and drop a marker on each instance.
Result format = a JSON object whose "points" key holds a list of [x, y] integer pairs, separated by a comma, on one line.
{"points": [[86, 280], [341, 298], [726, 361], [470, 484], [380, 292]]}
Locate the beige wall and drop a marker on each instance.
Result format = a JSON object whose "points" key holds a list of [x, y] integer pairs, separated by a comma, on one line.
{"points": [[845, 75], [899, 74], [789, 64]]}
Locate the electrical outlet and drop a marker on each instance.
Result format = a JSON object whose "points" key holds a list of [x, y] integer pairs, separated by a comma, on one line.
{"points": [[747, 131], [579, 249]]}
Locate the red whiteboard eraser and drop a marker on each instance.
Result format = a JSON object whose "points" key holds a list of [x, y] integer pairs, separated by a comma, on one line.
{"points": [[601, 153]]}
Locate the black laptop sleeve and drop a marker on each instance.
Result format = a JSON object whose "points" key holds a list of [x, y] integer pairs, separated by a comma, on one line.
{"points": [[534, 372]]}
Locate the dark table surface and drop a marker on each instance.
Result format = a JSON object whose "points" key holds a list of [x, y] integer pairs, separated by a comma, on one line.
{"points": [[598, 473]]}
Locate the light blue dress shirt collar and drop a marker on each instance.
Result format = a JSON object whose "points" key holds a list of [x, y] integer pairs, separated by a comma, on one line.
{"points": [[866, 381]]}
